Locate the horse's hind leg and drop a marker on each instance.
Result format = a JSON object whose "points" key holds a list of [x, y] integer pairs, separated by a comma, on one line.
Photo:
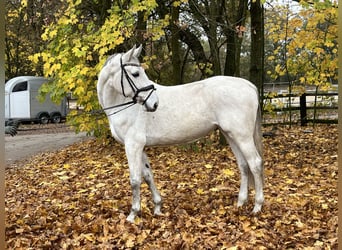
{"points": [[250, 162], [254, 161], [244, 173], [148, 177]]}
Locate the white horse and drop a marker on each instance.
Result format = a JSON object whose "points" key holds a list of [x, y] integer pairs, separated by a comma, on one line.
{"points": [[180, 114]]}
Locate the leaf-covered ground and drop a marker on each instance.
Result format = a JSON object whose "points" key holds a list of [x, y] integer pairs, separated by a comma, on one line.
{"points": [[79, 197]]}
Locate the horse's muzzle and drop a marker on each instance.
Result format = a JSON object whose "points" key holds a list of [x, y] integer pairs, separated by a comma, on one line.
{"points": [[151, 108], [151, 101]]}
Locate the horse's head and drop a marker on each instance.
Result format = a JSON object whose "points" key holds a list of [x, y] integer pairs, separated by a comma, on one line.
{"points": [[131, 80]]}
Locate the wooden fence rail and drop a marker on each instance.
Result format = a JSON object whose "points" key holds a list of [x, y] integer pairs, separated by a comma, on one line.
{"points": [[328, 101]]}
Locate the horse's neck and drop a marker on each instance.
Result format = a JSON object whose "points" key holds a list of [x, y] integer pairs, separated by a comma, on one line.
{"points": [[111, 98]]}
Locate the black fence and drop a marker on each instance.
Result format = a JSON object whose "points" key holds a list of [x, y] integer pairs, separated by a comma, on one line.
{"points": [[311, 107]]}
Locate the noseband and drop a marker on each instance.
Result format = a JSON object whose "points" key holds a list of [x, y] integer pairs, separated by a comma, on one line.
{"points": [[135, 89]]}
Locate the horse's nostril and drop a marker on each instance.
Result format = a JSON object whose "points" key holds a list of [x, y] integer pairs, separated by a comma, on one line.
{"points": [[155, 106]]}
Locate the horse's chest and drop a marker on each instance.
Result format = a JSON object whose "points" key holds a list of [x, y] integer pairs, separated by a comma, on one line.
{"points": [[117, 136], [120, 128]]}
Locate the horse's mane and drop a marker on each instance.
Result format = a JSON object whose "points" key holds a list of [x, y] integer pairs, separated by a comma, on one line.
{"points": [[109, 59]]}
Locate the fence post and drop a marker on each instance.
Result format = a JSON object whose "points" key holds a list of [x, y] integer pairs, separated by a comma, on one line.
{"points": [[303, 115]]}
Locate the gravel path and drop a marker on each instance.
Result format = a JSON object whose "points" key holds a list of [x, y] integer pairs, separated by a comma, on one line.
{"points": [[34, 139]]}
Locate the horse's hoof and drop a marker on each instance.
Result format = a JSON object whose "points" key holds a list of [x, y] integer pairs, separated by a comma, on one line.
{"points": [[241, 202], [256, 209], [131, 218], [157, 211]]}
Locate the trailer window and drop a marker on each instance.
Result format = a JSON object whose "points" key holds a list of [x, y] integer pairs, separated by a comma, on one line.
{"points": [[20, 87]]}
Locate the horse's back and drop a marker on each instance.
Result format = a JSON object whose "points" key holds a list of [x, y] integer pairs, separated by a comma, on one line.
{"points": [[229, 83], [226, 91], [216, 84]]}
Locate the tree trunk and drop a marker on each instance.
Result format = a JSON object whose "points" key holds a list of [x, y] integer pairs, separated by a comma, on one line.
{"points": [[207, 14], [235, 17], [212, 38], [230, 63], [175, 46], [257, 46], [194, 44], [140, 30]]}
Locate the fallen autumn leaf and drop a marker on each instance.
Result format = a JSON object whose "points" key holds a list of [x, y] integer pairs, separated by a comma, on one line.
{"points": [[79, 197]]}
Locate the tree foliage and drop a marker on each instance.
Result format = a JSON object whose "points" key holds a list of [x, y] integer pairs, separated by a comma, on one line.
{"points": [[78, 45], [24, 22], [305, 43]]}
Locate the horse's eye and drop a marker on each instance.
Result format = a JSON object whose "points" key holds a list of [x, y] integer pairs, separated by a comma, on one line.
{"points": [[135, 74]]}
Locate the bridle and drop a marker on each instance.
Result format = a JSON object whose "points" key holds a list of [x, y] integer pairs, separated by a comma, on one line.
{"points": [[134, 88]]}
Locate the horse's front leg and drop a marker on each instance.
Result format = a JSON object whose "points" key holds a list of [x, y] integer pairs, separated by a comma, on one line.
{"points": [[148, 177], [134, 157]]}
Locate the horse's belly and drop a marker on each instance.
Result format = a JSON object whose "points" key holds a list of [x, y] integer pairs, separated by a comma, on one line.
{"points": [[178, 132]]}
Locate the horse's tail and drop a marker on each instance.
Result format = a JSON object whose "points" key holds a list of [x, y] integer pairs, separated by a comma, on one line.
{"points": [[258, 145]]}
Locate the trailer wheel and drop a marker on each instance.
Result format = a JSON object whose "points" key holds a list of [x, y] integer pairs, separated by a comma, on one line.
{"points": [[56, 117], [43, 118]]}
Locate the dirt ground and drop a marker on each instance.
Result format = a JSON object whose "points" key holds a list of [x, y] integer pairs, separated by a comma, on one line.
{"points": [[37, 138]]}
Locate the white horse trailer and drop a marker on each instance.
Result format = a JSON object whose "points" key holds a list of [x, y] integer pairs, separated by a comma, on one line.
{"points": [[21, 101]]}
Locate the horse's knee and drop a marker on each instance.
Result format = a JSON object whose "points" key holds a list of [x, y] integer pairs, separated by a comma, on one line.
{"points": [[135, 183]]}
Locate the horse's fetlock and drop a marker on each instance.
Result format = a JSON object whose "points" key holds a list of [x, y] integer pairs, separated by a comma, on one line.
{"points": [[242, 201], [259, 199]]}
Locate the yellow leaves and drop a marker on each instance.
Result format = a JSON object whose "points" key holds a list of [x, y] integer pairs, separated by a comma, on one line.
{"points": [[66, 166], [90, 237], [289, 181], [270, 58], [228, 172], [325, 206], [318, 51], [92, 176], [52, 34], [49, 34], [200, 191], [329, 44], [178, 3], [280, 70], [23, 3], [66, 20], [307, 46], [34, 58], [208, 166], [79, 90]]}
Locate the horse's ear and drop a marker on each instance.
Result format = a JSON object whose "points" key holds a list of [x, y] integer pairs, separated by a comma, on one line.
{"points": [[128, 55], [137, 51]]}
